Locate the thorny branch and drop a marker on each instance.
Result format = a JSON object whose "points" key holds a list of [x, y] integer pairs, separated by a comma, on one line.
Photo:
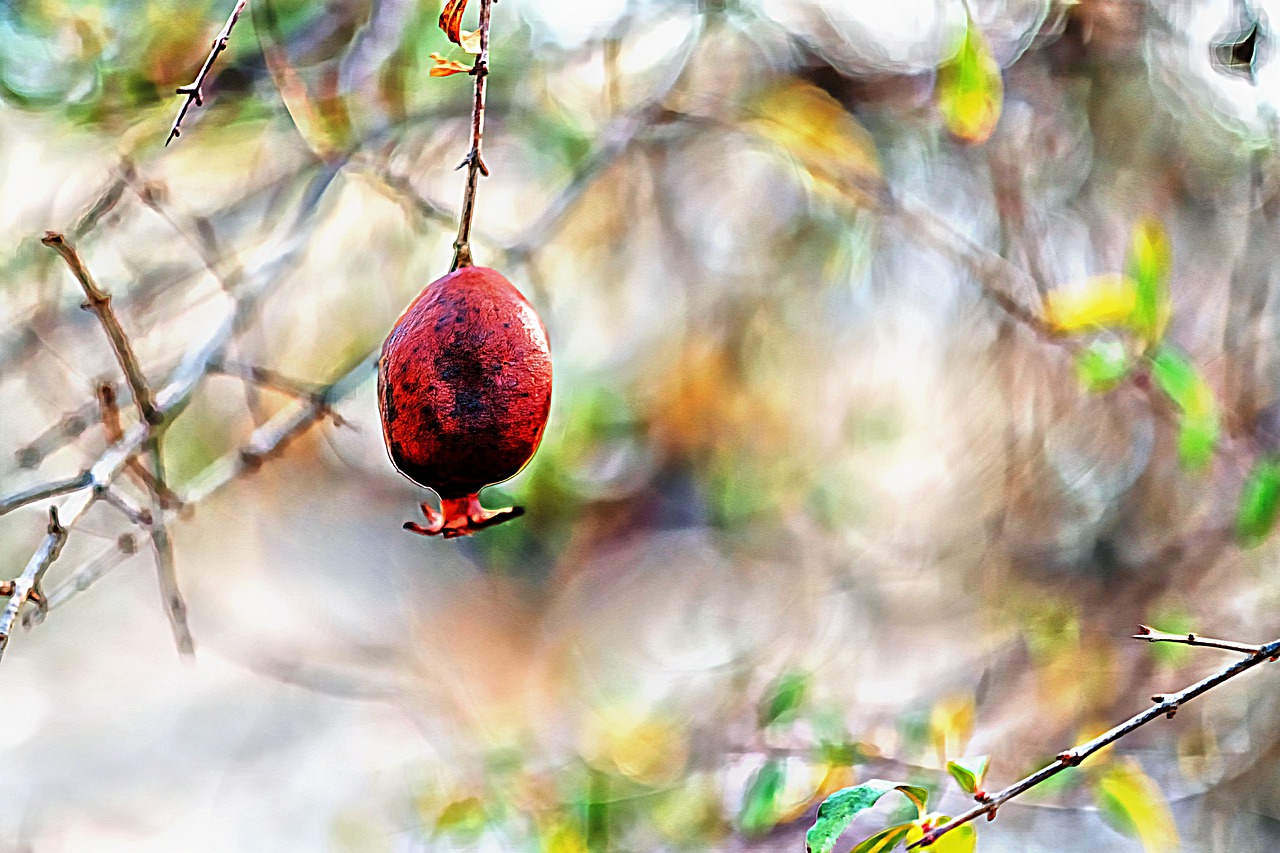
{"points": [[474, 160], [193, 91], [210, 354], [143, 437], [1166, 705], [100, 304]]}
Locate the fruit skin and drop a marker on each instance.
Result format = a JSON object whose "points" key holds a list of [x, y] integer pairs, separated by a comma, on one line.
{"points": [[464, 389]]}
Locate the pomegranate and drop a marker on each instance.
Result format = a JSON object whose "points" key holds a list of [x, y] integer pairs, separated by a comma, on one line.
{"points": [[464, 388]]}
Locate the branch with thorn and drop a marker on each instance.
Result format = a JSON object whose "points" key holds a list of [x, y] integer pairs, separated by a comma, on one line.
{"points": [[1165, 705], [474, 161], [194, 91]]}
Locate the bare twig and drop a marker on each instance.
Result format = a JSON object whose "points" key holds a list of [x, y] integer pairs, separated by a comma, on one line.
{"points": [[83, 577], [1165, 706], [127, 507], [193, 90], [100, 304], [1151, 635], [27, 586], [474, 160], [70, 426], [44, 491], [126, 546], [110, 414], [268, 440], [175, 607]]}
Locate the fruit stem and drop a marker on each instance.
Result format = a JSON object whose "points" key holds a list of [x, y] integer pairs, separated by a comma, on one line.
{"points": [[474, 161]]}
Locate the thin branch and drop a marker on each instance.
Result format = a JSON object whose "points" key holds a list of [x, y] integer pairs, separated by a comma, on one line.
{"points": [[70, 426], [45, 491], [109, 411], [27, 586], [265, 377], [474, 160], [83, 577], [193, 90], [287, 241], [1165, 706], [1151, 635], [175, 607], [130, 510], [270, 439], [100, 304]]}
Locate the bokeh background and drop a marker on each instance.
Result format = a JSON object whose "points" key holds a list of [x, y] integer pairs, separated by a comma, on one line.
{"points": [[819, 500]]}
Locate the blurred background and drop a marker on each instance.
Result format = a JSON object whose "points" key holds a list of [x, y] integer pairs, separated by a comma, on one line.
{"points": [[821, 498]]}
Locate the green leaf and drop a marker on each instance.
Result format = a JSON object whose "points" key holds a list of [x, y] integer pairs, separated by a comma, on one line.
{"points": [[969, 773], [760, 803], [1259, 502], [1150, 260], [1132, 803], [970, 89], [884, 840], [838, 810], [1198, 425], [1102, 364], [463, 817], [783, 698]]}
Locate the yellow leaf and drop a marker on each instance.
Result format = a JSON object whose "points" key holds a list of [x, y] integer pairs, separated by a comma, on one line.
{"points": [[1134, 805], [951, 724], [962, 839], [812, 127], [563, 838], [1104, 300], [444, 67], [970, 89]]}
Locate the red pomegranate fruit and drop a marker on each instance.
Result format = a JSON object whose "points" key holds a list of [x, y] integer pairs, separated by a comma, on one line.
{"points": [[464, 388]]}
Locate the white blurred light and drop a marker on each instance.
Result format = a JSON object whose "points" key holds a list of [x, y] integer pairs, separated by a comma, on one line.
{"points": [[571, 23]]}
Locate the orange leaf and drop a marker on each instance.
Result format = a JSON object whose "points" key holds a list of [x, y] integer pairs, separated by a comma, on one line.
{"points": [[451, 20], [444, 67]]}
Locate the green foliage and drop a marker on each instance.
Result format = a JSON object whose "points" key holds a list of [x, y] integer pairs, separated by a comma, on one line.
{"points": [[838, 810], [1259, 502], [760, 803], [783, 698], [884, 840], [1132, 803], [969, 773], [1150, 261], [1102, 364], [970, 89], [1186, 388]]}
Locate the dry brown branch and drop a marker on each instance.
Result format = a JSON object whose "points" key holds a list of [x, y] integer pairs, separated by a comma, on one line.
{"points": [[110, 415], [193, 91], [1166, 705], [1151, 635], [168, 401], [100, 304], [474, 161]]}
